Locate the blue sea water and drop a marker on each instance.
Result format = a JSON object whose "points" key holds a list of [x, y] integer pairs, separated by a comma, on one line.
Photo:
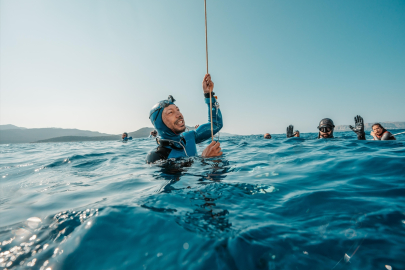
{"points": [[282, 203]]}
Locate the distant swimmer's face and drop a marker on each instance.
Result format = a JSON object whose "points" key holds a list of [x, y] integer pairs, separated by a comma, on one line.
{"points": [[173, 119], [267, 136], [297, 134], [325, 132], [377, 130], [124, 135]]}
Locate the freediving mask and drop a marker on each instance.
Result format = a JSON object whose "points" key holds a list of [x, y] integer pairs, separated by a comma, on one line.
{"points": [[325, 129], [160, 106]]}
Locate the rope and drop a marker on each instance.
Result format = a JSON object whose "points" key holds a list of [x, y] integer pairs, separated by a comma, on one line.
{"points": [[398, 133], [206, 57]]}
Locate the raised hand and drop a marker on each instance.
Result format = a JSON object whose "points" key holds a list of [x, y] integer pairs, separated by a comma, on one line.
{"points": [[207, 84], [359, 127], [290, 132], [212, 150]]}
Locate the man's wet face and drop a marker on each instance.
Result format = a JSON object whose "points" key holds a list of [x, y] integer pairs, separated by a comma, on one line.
{"points": [[325, 132], [173, 119], [267, 136], [124, 135]]}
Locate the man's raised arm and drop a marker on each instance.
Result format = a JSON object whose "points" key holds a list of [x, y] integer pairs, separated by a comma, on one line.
{"points": [[203, 132]]}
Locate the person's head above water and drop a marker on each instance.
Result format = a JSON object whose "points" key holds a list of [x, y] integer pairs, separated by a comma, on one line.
{"points": [[296, 133], [267, 136], [378, 129], [326, 127], [167, 119], [124, 135]]}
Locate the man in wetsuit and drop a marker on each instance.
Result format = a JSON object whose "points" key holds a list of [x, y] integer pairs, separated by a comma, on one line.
{"points": [[174, 142], [153, 134], [326, 128], [381, 134], [125, 137]]}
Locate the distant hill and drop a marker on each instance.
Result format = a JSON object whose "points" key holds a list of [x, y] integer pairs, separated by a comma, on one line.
{"points": [[16, 134], [35, 134], [367, 126], [6, 127], [140, 133], [81, 139]]}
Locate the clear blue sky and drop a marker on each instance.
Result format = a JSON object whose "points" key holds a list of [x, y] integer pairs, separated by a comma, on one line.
{"points": [[101, 65]]}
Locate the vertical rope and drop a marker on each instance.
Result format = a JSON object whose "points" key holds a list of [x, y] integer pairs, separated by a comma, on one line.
{"points": [[206, 57]]}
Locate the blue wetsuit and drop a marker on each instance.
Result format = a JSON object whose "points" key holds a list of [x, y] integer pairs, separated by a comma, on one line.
{"points": [[171, 145]]}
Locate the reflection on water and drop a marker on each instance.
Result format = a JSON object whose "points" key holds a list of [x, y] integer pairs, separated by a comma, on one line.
{"points": [[266, 204]]}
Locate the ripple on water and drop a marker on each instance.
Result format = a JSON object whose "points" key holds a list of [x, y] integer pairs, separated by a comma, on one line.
{"points": [[266, 204]]}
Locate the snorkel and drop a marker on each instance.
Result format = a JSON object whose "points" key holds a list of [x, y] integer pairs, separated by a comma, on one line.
{"points": [[164, 132], [325, 125]]}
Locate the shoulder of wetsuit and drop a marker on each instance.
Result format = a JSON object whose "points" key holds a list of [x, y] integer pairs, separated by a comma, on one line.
{"points": [[161, 153], [387, 136]]}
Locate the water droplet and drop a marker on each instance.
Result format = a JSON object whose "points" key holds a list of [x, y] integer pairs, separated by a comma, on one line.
{"points": [[185, 246]]}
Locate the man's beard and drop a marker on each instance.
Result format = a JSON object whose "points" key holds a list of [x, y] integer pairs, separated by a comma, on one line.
{"points": [[179, 130]]}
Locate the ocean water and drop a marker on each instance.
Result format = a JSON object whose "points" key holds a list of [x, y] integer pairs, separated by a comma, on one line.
{"points": [[265, 204]]}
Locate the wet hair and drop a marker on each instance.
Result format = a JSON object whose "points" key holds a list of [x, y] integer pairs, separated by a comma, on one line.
{"points": [[125, 134], [377, 124]]}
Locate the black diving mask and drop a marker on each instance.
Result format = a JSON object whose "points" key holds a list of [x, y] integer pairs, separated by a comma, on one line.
{"points": [[325, 129]]}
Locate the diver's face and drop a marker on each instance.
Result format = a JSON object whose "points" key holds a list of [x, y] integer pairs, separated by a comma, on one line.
{"points": [[267, 136], [173, 119], [124, 136], [377, 130], [325, 132], [297, 134]]}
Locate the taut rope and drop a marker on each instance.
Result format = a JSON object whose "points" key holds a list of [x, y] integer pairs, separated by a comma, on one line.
{"points": [[206, 57]]}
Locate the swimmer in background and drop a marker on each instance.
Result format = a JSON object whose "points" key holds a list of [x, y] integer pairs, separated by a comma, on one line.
{"points": [[174, 142], [153, 134], [381, 134], [326, 128], [125, 137], [290, 132], [267, 136]]}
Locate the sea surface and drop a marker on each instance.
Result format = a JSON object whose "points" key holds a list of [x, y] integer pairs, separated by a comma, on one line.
{"points": [[297, 203]]}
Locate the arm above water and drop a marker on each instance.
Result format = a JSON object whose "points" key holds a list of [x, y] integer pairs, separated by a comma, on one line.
{"points": [[359, 128], [203, 132]]}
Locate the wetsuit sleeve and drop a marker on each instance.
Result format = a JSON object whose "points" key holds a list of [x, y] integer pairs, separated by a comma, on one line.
{"points": [[387, 136], [160, 153], [203, 132]]}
